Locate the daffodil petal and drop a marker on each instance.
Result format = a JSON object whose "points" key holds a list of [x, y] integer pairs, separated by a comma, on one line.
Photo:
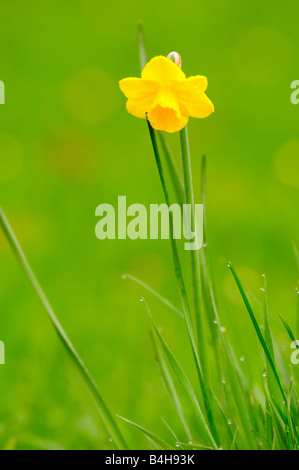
{"points": [[137, 88], [162, 70], [191, 88], [200, 107], [140, 107], [166, 119]]}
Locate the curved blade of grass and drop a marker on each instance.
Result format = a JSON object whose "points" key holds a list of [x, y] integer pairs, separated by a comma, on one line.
{"points": [[155, 293], [292, 420], [163, 445], [233, 444], [183, 381], [142, 49], [172, 433], [273, 388], [167, 380], [258, 331], [208, 284], [195, 444], [279, 421], [296, 252], [288, 330], [92, 388]]}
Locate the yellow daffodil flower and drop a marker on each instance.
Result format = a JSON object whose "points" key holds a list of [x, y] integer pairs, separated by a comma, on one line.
{"points": [[165, 96]]}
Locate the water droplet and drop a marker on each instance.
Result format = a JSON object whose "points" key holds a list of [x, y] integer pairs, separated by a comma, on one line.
{"points": [[141, 299], [222, 329], [215, 321], [264, 374], [223, 381], [205, 245], [242, 359], [262, 289], [229, 422], [124, 276]]}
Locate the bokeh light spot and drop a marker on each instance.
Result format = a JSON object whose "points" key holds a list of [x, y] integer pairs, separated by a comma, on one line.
{"points": [[72, 155], [91, 95], [12, 158], [262, 55], [286, 163]]}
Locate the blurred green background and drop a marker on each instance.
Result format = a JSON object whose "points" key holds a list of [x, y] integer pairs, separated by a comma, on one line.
{"points": [[67, 144]]}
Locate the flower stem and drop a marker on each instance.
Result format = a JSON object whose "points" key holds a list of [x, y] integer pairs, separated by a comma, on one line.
{"points": [[181, 287], [87, 379], [189, 199]]}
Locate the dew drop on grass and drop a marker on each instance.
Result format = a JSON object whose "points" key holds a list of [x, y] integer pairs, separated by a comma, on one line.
{"points": [[242, 359], [229, 422], [264, 374], [215, 321], [222, 329]]}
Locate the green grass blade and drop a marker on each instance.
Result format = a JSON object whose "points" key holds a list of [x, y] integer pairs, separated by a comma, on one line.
{"points": [[272, 384], [194, 444], [167, 381], [142, 49], [296, 251], [233, 444], [92, 388], [172, 433], [163, 445], [155, 293], [184, 382], [258, 331], [288, 330], [279, 420]]}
